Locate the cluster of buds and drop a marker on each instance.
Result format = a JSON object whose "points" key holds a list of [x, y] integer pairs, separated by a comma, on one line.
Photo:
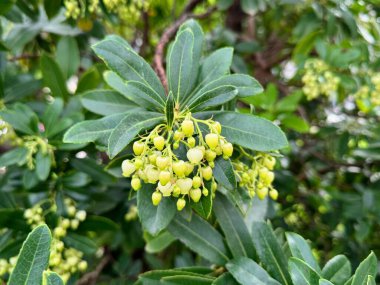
{"points": [[318, 79], [63, 260], [257, 177], [157, 160], [34, 144], [368, 95]]}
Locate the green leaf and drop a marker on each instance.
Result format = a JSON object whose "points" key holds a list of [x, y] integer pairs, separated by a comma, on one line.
{"points": [[186, 280], [90, 79], [224, 173], [248, 272], [211, 98], [234, 228], [160, 242], [302, 273], [43, 165], [200, 237], [169, 109], [93, 169], [300, 249], [136, 92], [33, 258], [215, 65], [128, 64], [324, 282], [53, 77], [67, 56], [270, 252], [22, 118], [129, 128], [106, 102], [14, 156], [225, 279], [294, 122], [154, 218], [51, 278], [154, 277], [337, 269], [16, 88], [367, 267], [81, 243], [371, 280], [5, 6], [180, 65], [289, 103], [250, 131], [204, 206], [51, 115], [93, 130], [248, 6]]}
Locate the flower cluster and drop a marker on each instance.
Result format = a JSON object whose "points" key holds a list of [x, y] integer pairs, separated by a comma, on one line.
{"points": [[257, 176], [318, 79], [33, 144], [369, 94], [157, 159], [63, 260]]}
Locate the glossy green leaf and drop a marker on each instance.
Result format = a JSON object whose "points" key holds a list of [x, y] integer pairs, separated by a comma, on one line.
{"points": [[295, 122], [136, 92], [67, 56], [302, 273], [300, 249], [250, 131], [51, 115], [93, 169], [129, 128], [51, 278], [14, 156], [93, 130], [337, 269], [89, 80], [367, 267], [204, 206], [248, 272], [169, 109], [186, 280], [22, 118], [224, 173], [43, 165], [53, 77], [200, 237], [214, 97], [33, 258], [154, 277], [180, 64], [160, 242], [234, 228], [128, 64], [106, 102], [80, 242], [154, 218], [371, 280], [324, 282], [270, 252], [16, 88]]}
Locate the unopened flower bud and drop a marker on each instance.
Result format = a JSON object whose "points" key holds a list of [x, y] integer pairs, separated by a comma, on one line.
{"points": [[162, 162], [210, 155], [269, 162], [138, 147], [212, 140], [188, 127], [138, 163], [191, 141], [164, 177], [152, 174], [178, 135], [135, 183], [195, 155], [205, 192], [82, 266], [179, 168], [197, 182], [217, 127], [159, 142], [195, 194], [227, 149], [181, 203], [74, 224], [207, 173], [176, 191], [166, 190], [273, 193], [156, 198], [262, 193], [189, 168], [128, 168], [185, 185]]}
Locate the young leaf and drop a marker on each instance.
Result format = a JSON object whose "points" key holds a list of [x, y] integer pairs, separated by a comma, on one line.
{"points": [[13, 156], [250, 131], [224, 173], [53, 77], [129, 128], [302, 273], [270, 252], [337, 269], [67, 56], [180, 64], [300, 249], [93, 130], [136, 92], [128, 64], [51, 278], [248, 272], [225, 279], [367, 267], [106, 102], [234, 228], [154, 218], [200, 237], [33, 258]]}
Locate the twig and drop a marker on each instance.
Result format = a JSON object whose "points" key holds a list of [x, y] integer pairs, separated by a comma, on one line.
{"points": [[91, 277], [158, 60], [24, 56]]}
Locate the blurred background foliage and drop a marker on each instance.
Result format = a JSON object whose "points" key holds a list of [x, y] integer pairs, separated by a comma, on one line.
{"points": [[318, 62]]}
